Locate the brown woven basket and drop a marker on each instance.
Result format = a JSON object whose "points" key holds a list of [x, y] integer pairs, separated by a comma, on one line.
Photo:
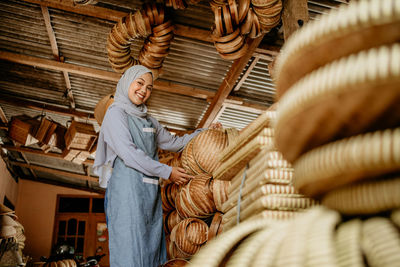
{"points": [[172, 219], [220, 193], [176, 263], [206, 148], [215, 226], [189, 235], [188, 160]]}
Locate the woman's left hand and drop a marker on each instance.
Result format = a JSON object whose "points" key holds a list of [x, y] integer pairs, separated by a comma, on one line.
{"points": [[216, 126]]}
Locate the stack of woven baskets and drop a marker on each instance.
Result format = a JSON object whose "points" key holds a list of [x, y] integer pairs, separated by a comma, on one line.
{"points": [[260, 177], [337, 122], [12, 239], [191, 211], [235, 21]]}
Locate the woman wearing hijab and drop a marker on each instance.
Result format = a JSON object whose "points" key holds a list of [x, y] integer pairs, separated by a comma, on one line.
{"points": [[127, 165]]}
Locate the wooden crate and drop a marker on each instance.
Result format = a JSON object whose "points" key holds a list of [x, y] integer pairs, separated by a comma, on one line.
{"points": [[80, 136], [23, 129]]}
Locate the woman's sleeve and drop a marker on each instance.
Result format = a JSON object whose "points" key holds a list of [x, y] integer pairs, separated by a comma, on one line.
{"points": [[167, 141], [118, 138]]}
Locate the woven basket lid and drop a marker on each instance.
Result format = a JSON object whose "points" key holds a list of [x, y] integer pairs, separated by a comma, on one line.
{"points": [[102, 106], [200, 194], [380, 242], [322, 108], [206, 148], [189, 235], [188, 160], [348, 160], [220, 193], [349, 29], [366, 197]]}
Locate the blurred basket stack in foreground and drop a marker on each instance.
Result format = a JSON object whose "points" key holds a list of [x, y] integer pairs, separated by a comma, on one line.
{"points": [[338, 123]]}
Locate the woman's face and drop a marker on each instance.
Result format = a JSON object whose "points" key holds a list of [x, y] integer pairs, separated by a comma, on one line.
{"points": [[140, 89]]}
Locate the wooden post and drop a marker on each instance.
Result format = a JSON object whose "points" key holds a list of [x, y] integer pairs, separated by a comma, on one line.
{"points": [[294, 15]]}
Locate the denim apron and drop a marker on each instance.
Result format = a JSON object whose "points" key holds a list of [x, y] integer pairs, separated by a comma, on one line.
{"points": [[133, 207]]}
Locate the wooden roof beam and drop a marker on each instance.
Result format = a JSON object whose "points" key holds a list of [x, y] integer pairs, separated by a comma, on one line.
{"points": [[100, 74], [228, 83], [114, 15], [56, 52], [54, 171]]}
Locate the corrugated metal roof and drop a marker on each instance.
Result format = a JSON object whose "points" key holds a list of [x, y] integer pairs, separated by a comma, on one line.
{"points": [[176, 111], [236, 118], [22, 29]]}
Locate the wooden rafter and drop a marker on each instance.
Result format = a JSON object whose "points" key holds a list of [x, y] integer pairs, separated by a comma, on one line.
{"points": [[246, 74], [56, 52], [228, 83], [54, 171], [100, 74], [114, 15]]}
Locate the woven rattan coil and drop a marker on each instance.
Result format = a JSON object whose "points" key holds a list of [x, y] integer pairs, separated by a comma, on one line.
{"points": [[395, 217], [347, 161], [380, 242], [215, 251], [228, 169], [244, 253], [358, 26], [267, 252], [206, 149], [249, 133], [320, 241], [293, 249], [367, 197], [345, 98], [348, 244]]}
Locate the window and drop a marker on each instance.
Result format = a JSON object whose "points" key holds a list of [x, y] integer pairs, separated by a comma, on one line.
{"points": [[72, 232]]}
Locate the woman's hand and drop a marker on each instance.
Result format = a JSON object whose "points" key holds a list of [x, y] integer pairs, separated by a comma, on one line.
{"points": [[216, 126], [179, 176]]}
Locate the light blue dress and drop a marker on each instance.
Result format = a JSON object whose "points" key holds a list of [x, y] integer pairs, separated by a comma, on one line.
{"points": [[133, 200]]}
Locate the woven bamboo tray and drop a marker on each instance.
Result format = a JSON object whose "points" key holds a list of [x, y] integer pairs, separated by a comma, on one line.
{"points": [[254, 166], [264, 190], [249, 133], [369, 197], [228, 169], [352, 28], [348, 160], [268, 176], [269, 202], [380, 242], [322, 107], [348, 244]]}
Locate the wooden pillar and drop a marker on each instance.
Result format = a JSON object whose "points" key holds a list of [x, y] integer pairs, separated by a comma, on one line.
{"points": [[294, 15]]}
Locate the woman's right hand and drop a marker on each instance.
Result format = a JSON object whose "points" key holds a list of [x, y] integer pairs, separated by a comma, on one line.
{"points": [[179, 176]]}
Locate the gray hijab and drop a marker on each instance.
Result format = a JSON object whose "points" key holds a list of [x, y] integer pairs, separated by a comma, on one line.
{"points": [[105, 154], [121, 97]]}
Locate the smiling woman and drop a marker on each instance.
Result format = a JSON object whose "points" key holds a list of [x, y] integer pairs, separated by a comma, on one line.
{"points": [[127, 165], [140, 89]]}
